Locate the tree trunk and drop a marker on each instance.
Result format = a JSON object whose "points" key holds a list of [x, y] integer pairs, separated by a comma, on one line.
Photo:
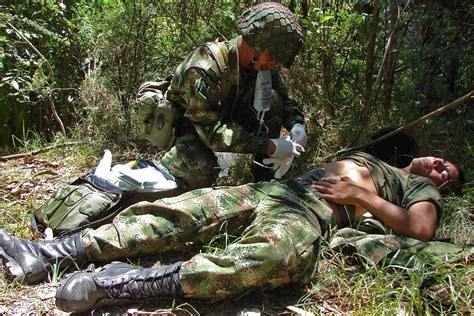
{"points": [[325, 66], [425, 86], [369, 60], [389, 74], [304, 9]]}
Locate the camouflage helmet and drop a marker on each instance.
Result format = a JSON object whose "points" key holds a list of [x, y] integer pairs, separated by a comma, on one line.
{"points": [[270, 27]]}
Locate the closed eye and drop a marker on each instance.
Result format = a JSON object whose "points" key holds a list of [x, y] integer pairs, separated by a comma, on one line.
{"points": [[448, 171]]}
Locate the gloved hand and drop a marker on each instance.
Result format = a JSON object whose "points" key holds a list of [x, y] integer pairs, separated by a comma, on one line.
{"points": [[298, 134], [286, 148], [281, 166]]}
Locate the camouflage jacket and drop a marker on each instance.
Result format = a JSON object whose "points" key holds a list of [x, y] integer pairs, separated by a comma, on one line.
{"points": [[216, 101]]}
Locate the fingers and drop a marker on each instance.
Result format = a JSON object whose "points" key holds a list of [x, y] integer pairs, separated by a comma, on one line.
{"points": [[438, 165], [322, 185], [326, 181], [297, 149], [326, 192], [320, 188]]}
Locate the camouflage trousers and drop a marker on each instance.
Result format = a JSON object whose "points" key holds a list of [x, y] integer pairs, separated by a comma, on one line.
{"points": [[195, 166], [278, 229]]}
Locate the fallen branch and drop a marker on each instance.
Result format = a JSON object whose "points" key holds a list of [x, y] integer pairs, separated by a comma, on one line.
{"points": [[35, 152], [435, 113]]}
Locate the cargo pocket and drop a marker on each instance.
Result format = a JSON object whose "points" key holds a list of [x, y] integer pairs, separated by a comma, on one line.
{"points": [[162, 132]]}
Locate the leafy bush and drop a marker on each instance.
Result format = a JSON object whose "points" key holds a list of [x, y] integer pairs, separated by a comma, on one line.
{"points": [[101, 116]]}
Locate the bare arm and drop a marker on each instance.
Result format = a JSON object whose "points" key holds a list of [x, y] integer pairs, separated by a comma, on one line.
{"points": [[419, 221]]}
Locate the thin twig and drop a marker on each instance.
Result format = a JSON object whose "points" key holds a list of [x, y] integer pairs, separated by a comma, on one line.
{"points": [[31, 46], [35, 152], [55, 113], [435, 113], [53, 108]]}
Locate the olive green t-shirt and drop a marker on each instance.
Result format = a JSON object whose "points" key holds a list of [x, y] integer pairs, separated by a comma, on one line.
{"points": [[395, 185]]}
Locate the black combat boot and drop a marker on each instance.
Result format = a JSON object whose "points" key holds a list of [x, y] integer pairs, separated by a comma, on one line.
{"points": [[30, 262], [117, 283]]}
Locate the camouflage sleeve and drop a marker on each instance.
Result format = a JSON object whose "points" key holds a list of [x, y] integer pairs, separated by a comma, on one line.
{"points": [[291, 111], [202, 92]]}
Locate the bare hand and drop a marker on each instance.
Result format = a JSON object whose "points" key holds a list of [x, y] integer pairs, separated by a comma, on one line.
{"points": [[343, 191]]}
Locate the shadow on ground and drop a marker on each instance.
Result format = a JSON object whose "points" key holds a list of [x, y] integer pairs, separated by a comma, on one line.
{"points": [[267, 303]]}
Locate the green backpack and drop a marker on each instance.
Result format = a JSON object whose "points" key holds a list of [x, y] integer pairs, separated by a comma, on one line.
{"points": [[89, 201], [156, 115]]}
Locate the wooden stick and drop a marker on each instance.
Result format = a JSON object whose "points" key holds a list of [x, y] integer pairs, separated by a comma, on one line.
{"points": [[35, 152], [53, 108], [414, 123]]}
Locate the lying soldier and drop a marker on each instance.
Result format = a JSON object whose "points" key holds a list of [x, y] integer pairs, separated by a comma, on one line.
{"points": [[280, 227]]}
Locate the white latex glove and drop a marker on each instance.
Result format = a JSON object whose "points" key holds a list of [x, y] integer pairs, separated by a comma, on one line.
{"points": [[298, 134], [286, 148], [281, 166]]}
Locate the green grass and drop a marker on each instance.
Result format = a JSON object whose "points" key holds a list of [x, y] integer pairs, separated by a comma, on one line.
{"points": [[219, 243], [457, 222], [447, 289]]}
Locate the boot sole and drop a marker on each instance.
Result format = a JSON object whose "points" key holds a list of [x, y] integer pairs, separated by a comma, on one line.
{"points": [[13, 269]]}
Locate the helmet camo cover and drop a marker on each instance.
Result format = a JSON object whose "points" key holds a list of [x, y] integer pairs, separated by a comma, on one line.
{"points": [[271, 27]]}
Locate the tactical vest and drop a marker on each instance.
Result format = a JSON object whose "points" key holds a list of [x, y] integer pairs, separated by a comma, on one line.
{"points": [[157, 115], [221, 67]]}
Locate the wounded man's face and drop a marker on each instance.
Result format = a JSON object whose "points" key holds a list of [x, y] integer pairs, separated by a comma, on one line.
{"points": [[443, 173]]}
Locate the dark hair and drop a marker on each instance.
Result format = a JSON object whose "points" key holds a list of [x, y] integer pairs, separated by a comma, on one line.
{"points": [[457, 190]]}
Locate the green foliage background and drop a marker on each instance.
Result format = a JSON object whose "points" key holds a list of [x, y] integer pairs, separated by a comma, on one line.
{"points": [[95, 54]]}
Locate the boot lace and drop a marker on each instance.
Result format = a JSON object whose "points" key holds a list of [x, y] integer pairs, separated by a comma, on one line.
{"points": [[145, 283]]}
